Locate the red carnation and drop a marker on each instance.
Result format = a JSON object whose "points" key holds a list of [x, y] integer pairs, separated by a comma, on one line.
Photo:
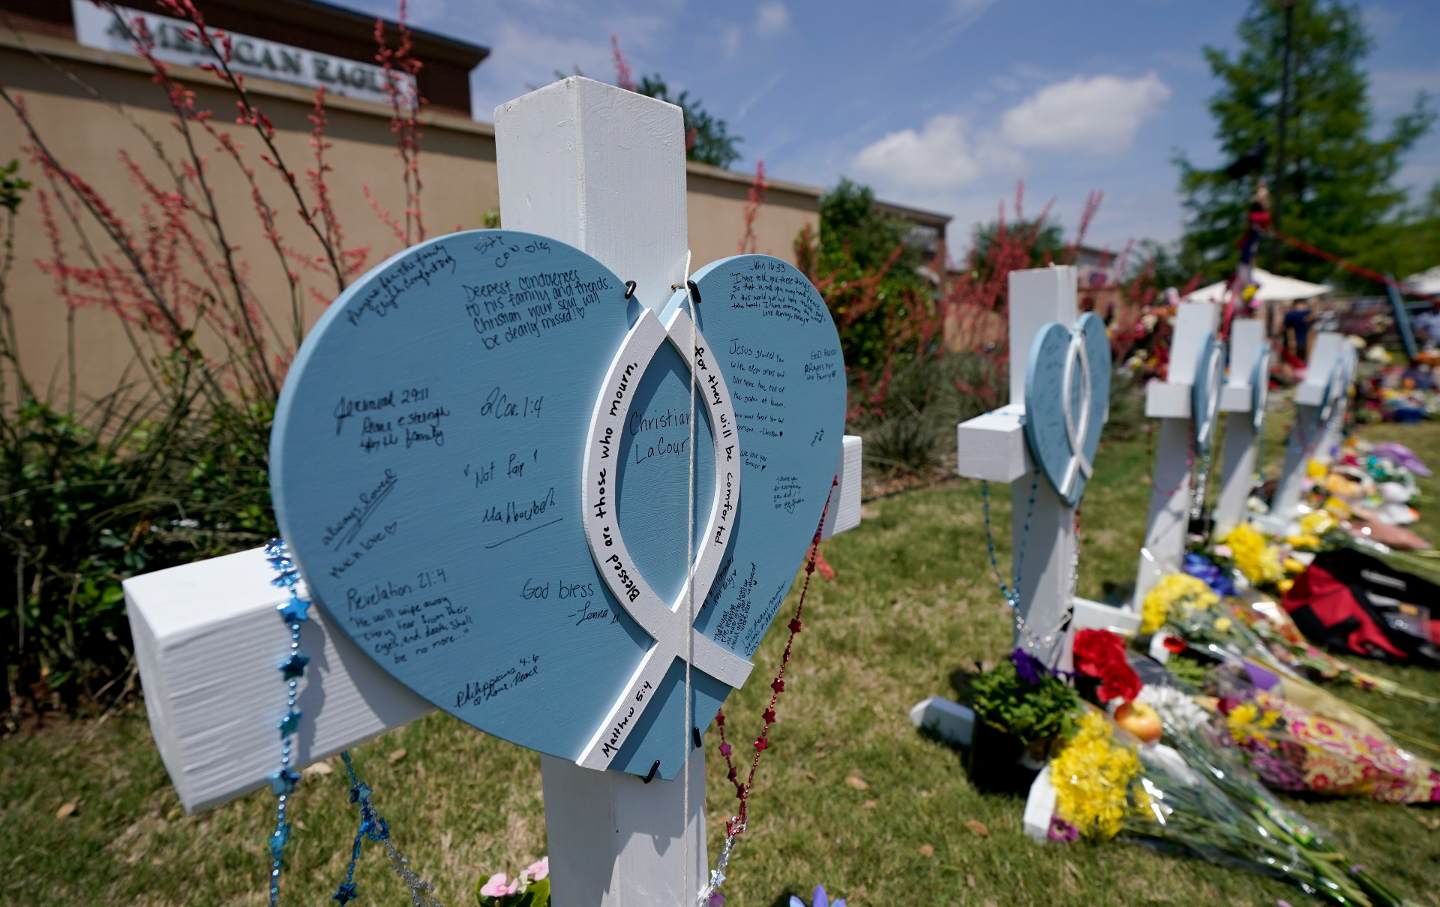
{"points": [[1120, 682], [1100, 654]]}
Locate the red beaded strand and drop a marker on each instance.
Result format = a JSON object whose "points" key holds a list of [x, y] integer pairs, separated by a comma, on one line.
{"points": [[736, 825]]}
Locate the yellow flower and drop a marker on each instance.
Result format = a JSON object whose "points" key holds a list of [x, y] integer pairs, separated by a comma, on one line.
{"points": [[1285, 585], [1222, 624], [1316, 523], [1293, 566], [1092, 776], [1174, 590], [1259, 562], [1315, 469], [1241, 722], [1249, 721], [1303, 542]]}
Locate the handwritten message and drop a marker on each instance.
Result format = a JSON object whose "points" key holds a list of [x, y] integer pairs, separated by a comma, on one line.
{"points": [[405, 619], [778, 291], [483, 689], [383, 295], [526, 306]]}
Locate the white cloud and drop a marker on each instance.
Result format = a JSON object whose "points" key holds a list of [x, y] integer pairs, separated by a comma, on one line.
{"points": [[1100, 114], [771, 18], [939, 156]]}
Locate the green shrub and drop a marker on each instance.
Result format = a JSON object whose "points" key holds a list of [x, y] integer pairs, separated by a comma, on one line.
{"points": [[911, 429], [87, 502]]}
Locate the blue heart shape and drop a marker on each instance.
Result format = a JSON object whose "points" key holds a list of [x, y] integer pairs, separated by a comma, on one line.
{"points": [[426, 467], [1205, 393], [1067, 401]]}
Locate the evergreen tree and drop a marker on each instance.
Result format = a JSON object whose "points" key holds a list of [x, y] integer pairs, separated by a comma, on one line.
{"points": [[1337, 188]]}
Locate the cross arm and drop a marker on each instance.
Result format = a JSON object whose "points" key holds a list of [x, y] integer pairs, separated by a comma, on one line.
{"points": [[209, 643], [992, 446], [1170, 399]]}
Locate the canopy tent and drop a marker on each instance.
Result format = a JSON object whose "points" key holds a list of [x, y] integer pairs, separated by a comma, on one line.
{"points": [[1426, 283], [1273, 288]]}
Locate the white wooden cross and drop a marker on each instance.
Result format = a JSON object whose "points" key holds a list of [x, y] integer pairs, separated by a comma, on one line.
{"points": [[992, 447], [1320, 403], [1246, 391], [1344, 382], [601, 169], [1169, 401]]}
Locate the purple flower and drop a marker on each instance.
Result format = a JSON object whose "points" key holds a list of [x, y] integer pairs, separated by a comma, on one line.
{"points": [[1027, 667], [818, 899], [1060, 830], [1202, 568], [1402, 455]]}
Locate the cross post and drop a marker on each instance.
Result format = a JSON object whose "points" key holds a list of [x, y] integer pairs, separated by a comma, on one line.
{"points": [[1170, 402], [1243, 403], [992, 447], [1319, 418], [594, 166]]}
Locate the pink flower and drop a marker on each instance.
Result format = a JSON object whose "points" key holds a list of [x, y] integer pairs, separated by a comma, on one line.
{"points": [[537, 870], [495, 886]]}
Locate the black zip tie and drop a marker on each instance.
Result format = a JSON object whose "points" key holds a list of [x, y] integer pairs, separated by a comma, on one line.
{"points": [[695, 736], [629, 289], [654, 770]]}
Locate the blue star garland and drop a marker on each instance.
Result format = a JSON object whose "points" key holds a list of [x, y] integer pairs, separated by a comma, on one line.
{"points": [[372, 827], [293, 612]]}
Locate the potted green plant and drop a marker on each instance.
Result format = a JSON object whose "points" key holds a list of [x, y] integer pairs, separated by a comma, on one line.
{"points": [[1021, 709]]}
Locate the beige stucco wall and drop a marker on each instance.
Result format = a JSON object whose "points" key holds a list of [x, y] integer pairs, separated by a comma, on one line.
{"points": [[90, 136]]}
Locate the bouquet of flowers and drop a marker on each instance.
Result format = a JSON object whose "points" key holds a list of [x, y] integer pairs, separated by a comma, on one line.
{"points": [[1292, 747], [1103, 672], [1273, 626], [1189, 609], [1106, 787], [1247, 550]]}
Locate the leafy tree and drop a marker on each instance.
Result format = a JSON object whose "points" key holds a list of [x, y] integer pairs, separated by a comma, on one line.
{"points": [[707, 138], [1337, 190], [867, 269]]}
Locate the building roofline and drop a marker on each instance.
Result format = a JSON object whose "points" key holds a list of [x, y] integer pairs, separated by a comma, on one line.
{"points": [[916, 214], [735, 176], [428, 44]]}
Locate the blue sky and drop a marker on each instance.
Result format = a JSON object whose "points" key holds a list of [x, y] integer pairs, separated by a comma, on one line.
{"points": [[942, 104]]}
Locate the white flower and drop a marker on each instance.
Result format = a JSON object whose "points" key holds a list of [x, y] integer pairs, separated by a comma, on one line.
{"points": [[1177, 710]]}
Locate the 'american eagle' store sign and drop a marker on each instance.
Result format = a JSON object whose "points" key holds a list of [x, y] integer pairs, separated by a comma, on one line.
{"points": [[96, 27]]}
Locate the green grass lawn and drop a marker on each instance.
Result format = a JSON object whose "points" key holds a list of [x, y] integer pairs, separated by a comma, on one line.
{"points": [[913, 603]]}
